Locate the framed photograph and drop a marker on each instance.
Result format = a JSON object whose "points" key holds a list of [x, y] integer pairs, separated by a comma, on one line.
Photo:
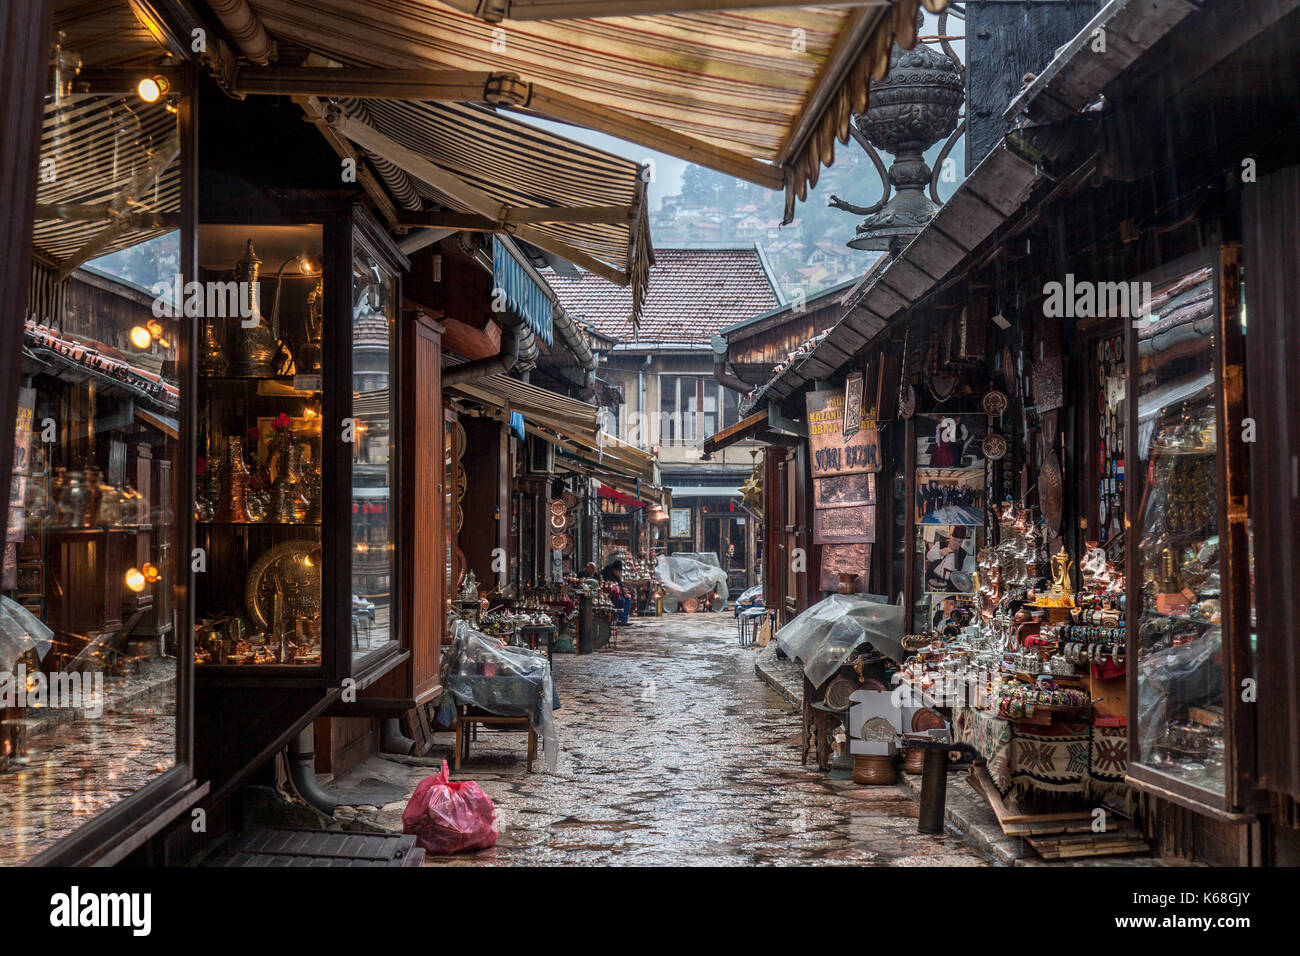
{"points": [[950, 496], [679, 523], [950, 611], [948, 557], [950, 441]]}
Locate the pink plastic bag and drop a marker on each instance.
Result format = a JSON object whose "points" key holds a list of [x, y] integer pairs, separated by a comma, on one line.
{"points": [[448, 817]]}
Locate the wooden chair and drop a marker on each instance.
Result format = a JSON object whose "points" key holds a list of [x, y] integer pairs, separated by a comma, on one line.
{"points": [[466, 722]]}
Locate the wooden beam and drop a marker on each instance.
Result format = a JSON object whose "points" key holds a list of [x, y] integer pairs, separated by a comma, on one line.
{"points": [[374, 189]]}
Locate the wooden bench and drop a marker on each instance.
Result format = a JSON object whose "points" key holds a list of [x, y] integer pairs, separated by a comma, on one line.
{"points": [[465, 724]]}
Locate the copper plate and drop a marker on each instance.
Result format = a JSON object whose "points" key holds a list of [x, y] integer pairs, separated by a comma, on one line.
{"points": [[926, 719], [995, 447], [691, 605], [559, 521], [558, 541], [838, 691], [995, 403]]}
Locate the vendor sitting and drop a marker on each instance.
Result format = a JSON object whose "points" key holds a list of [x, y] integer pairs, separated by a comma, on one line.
{"points": [[613, 573]]}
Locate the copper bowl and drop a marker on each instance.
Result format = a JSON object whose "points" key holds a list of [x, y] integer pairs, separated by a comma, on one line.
{"points": [[873, 770]]}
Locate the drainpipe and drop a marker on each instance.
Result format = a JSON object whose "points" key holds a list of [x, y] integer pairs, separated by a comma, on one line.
{"points": [[391, 738], [518, 350], [720, 368], [569, 330], [302, 769]]}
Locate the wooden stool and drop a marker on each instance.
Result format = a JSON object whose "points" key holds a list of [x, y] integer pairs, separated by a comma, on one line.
{"points": [[466, 721]]}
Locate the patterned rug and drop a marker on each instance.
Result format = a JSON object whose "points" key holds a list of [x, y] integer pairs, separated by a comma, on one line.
{"points": [[1063, 758], [1053, 759]]}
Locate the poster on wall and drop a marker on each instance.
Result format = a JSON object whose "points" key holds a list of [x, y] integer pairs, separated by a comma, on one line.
{"points": [[951, 441], [831, 452], [844, 525], [679, 523], [840, 559], [950, 496], [951, 612], [948, 557]]}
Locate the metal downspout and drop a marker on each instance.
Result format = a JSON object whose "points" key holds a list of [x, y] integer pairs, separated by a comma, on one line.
{"points": [[302, 770]]}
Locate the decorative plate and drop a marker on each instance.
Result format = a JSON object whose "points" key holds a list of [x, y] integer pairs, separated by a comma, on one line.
{"points": [[295, 567], [558, 541], [927, 719], [995, 447], [559, 521], [838, 691], [995, 403], [691, 605]]}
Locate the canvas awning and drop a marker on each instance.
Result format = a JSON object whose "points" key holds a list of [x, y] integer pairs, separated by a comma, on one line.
{"points": [[568, 424], [757, 93]]}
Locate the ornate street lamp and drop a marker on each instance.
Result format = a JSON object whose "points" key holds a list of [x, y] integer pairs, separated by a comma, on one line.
{"points": [[912, 108]]}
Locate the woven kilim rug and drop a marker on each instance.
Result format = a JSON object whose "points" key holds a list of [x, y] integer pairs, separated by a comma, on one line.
{"points": [[1053, 759]]}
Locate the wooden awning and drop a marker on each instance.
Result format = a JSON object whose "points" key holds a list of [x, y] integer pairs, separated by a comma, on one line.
{"points": [[760, 93], [756, 427]]}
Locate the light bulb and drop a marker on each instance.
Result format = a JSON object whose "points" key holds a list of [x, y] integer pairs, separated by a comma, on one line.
{"points": [[135, 580], [140, 337]]}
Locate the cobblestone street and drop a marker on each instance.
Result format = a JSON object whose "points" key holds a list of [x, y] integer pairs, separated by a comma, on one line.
{"points": [[672, 752]]}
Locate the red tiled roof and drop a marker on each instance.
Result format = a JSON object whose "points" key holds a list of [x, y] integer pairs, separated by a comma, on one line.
{"points": [[693, 293]]}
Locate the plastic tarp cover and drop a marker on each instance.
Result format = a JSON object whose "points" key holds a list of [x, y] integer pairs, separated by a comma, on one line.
{"points": [[506, 681], [20, 632], [691, 575], [1170, 680], [823, 637]]}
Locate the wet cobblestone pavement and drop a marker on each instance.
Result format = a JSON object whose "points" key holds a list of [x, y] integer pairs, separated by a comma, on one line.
{"points": [[672, 752]]}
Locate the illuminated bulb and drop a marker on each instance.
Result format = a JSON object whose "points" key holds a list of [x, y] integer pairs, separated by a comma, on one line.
{"points": [[151, 88], [155, 328], [135, 580], [151, 572], [140, 337], [306, 265]]}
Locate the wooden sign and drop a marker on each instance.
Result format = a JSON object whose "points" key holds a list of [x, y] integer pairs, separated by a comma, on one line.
{"points": [[830, 451], [840, 559], [852, 405], [844, 525], [845, 491]]}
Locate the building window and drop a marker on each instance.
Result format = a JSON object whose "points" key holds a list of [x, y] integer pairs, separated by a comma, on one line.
{"points": [[679, 408], [730, 407]]}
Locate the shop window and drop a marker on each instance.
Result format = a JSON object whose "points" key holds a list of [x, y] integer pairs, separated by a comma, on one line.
{"points": [[91, 616], [373, 313]]}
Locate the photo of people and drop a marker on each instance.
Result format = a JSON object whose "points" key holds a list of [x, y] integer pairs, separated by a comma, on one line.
{"points": [[949, 557], [949, 613], [952, 441], [950, 496]]}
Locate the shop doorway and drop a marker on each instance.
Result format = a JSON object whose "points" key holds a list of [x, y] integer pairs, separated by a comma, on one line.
{"points": [[727, 537]]}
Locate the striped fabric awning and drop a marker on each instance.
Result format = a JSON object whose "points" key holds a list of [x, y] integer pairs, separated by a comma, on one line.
{"points": [[523, 294], [762, 93], [95, 193]]}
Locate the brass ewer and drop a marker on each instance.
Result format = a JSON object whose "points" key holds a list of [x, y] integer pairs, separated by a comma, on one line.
{"points": [[252, 343]]}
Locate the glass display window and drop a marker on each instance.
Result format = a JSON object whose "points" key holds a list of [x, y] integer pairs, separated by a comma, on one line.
{"points": [[260, 496], [92, 617]]}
